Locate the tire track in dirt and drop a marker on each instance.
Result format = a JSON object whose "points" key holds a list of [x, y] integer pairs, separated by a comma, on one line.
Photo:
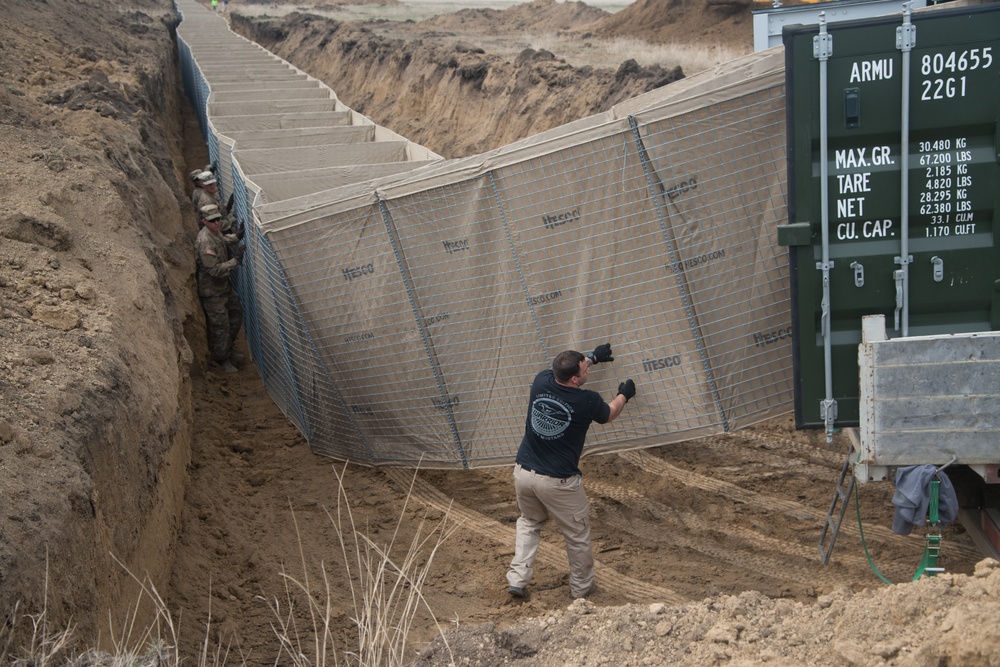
{"points": [[777, 463], [786, 445], [548, 554], [651, 464], [692, 529]]}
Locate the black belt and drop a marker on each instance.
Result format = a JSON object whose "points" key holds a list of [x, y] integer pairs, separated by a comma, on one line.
{"points": [[541, 473]]}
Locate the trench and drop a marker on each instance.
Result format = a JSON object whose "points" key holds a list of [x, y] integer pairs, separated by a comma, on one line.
{"points": [[203, 485]]}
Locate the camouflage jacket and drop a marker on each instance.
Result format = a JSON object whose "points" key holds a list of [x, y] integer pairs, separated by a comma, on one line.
{"points": [[215, 262]]}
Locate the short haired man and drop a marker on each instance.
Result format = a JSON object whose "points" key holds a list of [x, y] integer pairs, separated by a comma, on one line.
{"points": [[547, 478], [217, 256]]}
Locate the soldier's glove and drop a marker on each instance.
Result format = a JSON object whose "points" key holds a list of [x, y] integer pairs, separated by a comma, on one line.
{"points": [[627, 389], [229, 203], [240, 233], [601, 354], [238, 253]]}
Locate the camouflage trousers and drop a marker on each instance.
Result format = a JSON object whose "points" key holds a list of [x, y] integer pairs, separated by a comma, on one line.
{"points": [[223, 317]]}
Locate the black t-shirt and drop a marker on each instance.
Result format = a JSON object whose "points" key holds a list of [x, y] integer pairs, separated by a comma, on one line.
{"points": [[556, 425]]}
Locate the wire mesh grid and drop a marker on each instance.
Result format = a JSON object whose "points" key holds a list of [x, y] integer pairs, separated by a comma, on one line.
{"points": [[407, 328]]}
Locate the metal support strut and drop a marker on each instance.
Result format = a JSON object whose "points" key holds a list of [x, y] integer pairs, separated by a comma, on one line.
{"points": [[822, 50]]}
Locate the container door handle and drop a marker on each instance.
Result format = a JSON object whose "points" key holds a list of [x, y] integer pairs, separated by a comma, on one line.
{"points": [[897, 275], [859, 274]]}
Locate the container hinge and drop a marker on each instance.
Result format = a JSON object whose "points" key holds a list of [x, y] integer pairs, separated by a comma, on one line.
{"points": [[859, 274], [906, 37], [822, 46], [828, 413]]}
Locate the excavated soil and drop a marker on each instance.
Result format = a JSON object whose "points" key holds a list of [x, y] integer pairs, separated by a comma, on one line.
{"points": [[123, 452]]}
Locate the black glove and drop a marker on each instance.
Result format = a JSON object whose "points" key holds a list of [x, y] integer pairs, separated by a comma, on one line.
{"points": [[627, 389], [601, 354], [240, 232], [240, 250], [229, 203]]}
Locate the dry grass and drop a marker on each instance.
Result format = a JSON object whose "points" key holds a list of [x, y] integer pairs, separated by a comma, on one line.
{"points": [[385, 594], [45, 646]]}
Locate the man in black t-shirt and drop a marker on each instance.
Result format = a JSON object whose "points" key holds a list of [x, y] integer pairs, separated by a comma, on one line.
{"points": [[547, 478]]}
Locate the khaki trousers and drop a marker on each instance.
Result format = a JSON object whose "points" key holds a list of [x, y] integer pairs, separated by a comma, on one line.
{"points": [[540, 497]]}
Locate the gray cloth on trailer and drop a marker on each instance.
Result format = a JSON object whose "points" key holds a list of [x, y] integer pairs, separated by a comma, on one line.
{"points": [[913, 494]]}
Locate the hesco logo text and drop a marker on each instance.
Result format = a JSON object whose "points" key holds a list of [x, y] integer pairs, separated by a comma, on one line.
{"points": [[553, 220], [441, 404], [704, 259], [768, 337], [661, 363], [362, 410], [434, 319], [544, 298], [456, 245], [354, 272], [677, 189], [364, 335]]}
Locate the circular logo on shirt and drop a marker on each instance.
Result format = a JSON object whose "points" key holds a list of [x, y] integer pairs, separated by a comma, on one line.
{"points": [[549, 418]]}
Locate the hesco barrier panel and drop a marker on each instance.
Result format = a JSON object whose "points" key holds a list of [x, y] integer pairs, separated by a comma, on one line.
{"points": [[909, 158], [398, 305]]}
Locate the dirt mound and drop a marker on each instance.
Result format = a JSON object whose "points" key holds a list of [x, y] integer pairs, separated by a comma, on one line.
{"points": [[538, 16], [706, 550], [94, 296], [318, 4], [703, 22], [448, 94], [927, 623]]}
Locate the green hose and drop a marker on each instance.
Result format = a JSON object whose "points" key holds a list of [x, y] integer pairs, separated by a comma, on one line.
{"points": [[871, 563]]}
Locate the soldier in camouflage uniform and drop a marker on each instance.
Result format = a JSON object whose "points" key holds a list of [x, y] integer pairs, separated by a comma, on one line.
{"points": [[218, 255], [206, 192]]}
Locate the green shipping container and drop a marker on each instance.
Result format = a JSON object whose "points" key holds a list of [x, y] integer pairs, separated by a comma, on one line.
{"points": [[920, 92]]}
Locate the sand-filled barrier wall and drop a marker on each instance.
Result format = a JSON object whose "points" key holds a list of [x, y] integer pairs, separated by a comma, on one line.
{"points": [[398, 305]]}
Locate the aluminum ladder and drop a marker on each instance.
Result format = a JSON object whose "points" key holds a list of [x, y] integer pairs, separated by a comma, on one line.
{"points": [[841, 496]]}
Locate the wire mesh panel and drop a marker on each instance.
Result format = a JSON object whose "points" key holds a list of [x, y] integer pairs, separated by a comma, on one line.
{"points": [[281, 121], [285, 192], [269, 160], [287, 138], [592, 250], [719, 172], [472, 308], [348, 276], [295, 371], [400, 304]]}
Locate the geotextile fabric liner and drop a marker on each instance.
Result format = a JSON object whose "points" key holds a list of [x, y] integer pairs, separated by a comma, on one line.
{"points": [[282, 121], [400, 314]]}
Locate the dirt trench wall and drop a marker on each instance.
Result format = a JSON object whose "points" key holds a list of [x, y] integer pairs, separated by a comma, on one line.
{"points": [[96, 292], [452, 98]]}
